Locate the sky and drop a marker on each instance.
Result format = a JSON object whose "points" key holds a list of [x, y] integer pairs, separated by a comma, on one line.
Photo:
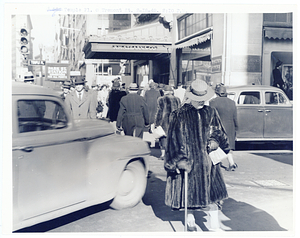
{"points": [[43, 30]]}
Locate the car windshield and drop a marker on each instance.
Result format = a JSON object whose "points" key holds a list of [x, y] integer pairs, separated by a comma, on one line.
{"points": [[37, 115]]}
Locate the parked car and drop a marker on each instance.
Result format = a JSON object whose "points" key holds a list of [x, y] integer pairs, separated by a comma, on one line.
{"points": [[61, 165], [264, 113]]}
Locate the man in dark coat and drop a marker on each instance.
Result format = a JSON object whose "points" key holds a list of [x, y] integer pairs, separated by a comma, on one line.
{"points": [[114, 98], [133, 114], [66, 89], [194, 131], [165, 105], [151, 97], [278, 81], [228, 113]]}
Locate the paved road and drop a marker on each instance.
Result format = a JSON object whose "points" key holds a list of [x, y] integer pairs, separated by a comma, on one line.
{"points": [[260, 199]]}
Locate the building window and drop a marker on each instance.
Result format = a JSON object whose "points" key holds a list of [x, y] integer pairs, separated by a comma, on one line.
{"points": [[192, 23], [278, 19], [121, 17]]}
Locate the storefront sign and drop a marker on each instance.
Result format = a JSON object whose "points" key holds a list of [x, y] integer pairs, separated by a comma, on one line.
{"points": [[37, 62], [57, 72], [130, 48], [216, 64], [134, 47]]}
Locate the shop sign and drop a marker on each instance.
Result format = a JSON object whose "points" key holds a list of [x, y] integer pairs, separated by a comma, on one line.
{"points": [[37, 62], [134, 47], [216, 64], [57, 72], [130, 48]]}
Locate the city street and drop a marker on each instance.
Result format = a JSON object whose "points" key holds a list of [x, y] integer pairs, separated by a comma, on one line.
{"points": [[260, 199]]}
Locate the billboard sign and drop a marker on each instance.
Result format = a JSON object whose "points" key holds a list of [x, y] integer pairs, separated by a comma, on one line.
{"points": [[57, 72]]}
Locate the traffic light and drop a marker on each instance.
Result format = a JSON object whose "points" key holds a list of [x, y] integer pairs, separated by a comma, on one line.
{"points": [[24, 46], [24, 41]]}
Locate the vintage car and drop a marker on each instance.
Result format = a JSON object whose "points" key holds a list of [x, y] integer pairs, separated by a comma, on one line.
{"points": [[61, 165], [264, 113]]}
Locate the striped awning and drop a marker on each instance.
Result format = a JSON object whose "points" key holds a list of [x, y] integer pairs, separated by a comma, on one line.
{"points": [[194, 41], [278, 33]]}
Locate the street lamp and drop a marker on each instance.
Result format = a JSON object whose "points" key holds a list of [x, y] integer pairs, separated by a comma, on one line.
{"points": [[41, 58]]}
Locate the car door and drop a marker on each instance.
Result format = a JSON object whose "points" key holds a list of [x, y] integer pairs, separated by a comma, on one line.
{"points": [[278, 116], [250, 115], [48, 158]]}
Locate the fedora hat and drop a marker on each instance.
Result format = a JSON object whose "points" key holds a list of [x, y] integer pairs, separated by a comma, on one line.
{"points": [[133, 87], [116, 85], [221, 90], [168, 88], [278, 63], [66, 84], [199, 91], [79, 80]]}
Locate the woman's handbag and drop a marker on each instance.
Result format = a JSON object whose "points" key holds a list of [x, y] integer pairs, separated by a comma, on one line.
{"points": [[158, 132], [217, 156]]}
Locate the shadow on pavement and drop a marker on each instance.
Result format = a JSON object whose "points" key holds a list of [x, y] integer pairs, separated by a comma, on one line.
{"points": [[61, 221], [241, 216], [286, 159], [264, 145], [155, 197], [244, 217]]}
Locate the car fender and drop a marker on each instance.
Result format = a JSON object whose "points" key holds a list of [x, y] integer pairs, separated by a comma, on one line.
{"points": [[112, 153]]}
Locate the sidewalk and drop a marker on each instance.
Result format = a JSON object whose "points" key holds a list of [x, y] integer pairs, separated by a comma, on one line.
{"points": [[260, 192]]}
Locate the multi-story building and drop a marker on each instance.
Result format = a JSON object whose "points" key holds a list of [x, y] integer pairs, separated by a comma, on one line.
{"points": [[232, 48], [142, 51], [72, 33]]}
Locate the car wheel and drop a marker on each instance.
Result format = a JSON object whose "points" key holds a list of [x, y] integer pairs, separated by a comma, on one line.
{"points": [[132, 186]]}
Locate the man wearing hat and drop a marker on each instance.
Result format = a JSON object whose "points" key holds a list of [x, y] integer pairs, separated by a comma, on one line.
{"points": [[228, 113], [165, 105], [81, 103], [133, 114], [113, 101], [194, 131], [66, 89], [278, 81]]}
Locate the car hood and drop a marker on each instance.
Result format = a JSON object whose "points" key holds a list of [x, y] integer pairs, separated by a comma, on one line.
{"points": [[93, 128]]}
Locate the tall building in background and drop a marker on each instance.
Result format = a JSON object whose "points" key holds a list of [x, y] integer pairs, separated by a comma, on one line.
{"points": [[72, 33]]}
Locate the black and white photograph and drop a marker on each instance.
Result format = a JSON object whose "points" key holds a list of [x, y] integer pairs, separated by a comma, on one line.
{"points": [[149, 119]]}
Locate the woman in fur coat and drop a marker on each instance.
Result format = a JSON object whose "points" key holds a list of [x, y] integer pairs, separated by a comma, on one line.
{"points": [[194, 131]]}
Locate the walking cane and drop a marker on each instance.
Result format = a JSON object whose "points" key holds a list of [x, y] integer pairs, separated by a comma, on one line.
{"points": [[185, 199]]}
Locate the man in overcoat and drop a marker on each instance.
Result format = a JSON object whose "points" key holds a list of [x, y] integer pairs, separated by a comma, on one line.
{"points": [[194, 131], [228, 113], [81, 103], [165, 105], [113, 100], [133, 114], [278, 81], [151, 97]]}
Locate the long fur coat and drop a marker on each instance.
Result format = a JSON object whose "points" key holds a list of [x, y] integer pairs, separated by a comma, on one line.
{"points": [[190, 132]]}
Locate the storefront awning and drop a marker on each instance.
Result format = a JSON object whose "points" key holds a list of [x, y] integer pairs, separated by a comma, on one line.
{"points": [[193, 41], [278, 33]]}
